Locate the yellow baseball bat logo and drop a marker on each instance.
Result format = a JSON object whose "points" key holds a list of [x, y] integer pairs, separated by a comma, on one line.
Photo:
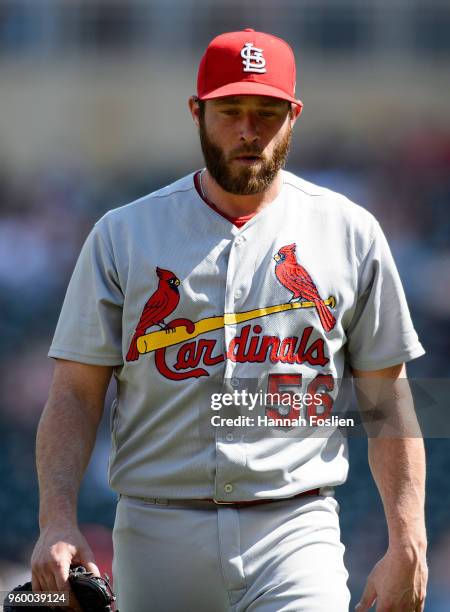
{"points": [[169, 337]]}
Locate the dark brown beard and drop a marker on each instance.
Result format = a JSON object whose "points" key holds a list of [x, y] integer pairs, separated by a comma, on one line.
{"points": [[250, 180]]}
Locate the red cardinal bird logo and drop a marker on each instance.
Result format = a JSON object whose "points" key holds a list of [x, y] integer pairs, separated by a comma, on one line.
{"points": [[294, 277], [158, 307]]}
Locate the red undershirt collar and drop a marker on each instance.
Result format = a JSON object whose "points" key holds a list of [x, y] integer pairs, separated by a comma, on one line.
{"points": [[237, 221]]}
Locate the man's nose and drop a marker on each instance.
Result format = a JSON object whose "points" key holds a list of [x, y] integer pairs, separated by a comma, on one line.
{"points": [[248, 129]]}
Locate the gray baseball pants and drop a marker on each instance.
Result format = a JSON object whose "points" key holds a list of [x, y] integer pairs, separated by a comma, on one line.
{"points": [[283, 556]]}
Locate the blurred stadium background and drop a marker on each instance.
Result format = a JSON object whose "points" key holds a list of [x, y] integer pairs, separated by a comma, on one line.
{"points": [[93, 113]]}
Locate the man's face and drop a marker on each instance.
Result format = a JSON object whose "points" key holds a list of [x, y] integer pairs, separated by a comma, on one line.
{"points": [[245, 141]]}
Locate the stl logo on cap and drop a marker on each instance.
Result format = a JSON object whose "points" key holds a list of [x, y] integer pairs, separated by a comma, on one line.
{"points": [[253, 58]]}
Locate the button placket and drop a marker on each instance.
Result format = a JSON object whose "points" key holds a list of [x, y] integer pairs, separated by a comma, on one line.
{"points": [[232, 293], [230, 458]]}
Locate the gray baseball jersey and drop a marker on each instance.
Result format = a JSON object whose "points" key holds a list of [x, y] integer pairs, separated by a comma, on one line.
{"points": [[175, 296]]}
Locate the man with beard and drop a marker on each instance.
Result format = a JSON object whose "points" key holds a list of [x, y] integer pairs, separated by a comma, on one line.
{"points": [[239, 272]]}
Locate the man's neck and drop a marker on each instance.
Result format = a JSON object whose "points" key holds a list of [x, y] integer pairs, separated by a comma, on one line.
{"points": [[239, 205]]}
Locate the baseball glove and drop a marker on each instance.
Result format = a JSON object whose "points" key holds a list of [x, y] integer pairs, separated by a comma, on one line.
{"points": [[94, 594]]}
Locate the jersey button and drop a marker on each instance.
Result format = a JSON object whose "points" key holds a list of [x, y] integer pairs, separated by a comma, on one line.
{"points": [[235, 382], [228, 488], [230, 437], [239, 240], [237, 294]]}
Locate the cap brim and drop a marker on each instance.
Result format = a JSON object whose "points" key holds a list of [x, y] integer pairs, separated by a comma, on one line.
{"points": [[249, 88]]}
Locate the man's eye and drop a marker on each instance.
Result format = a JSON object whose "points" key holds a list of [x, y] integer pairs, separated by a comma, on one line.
{"points": [[230, 111], [267, 114]]}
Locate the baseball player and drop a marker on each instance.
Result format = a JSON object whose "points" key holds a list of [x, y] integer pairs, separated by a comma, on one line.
{"points": [[239, 272]]}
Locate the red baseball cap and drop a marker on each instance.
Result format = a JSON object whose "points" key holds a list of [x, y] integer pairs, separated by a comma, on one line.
{"points": [[247, 63]]}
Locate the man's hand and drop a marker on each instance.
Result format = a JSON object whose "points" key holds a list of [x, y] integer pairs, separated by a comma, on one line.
{"points": [[397, 582], [397, 460], [57, 548], [64, 444]]}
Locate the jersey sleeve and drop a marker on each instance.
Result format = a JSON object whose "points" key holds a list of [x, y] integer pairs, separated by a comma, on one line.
{"points": [[381, 333], [89, 328]]}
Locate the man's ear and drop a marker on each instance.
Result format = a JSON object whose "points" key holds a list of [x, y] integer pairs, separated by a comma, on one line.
{"points": [[194, 109], [295, 112]]}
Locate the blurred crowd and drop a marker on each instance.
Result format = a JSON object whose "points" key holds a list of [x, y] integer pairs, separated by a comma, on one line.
{"points": [[44, 219]]}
